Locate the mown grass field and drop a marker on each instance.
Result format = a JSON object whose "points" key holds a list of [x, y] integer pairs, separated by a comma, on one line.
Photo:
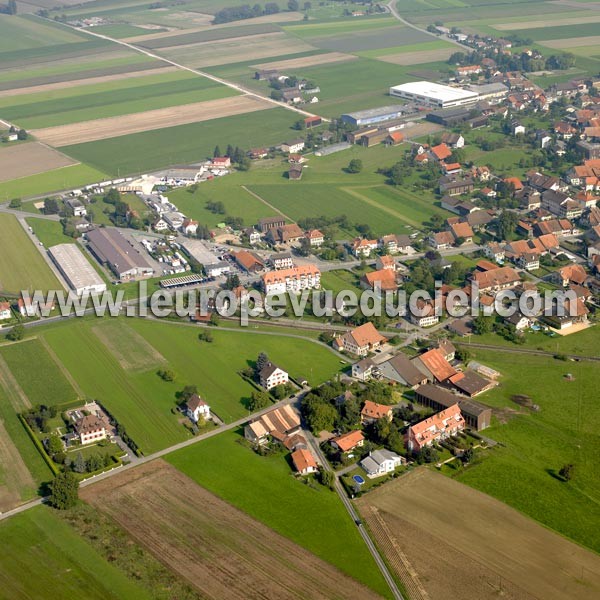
{"points": [[42, 553], [141, 152], [37, 373], [523, 471], [49, 232], [110, 99], [265, 488], [56, 180], [21, 265]]}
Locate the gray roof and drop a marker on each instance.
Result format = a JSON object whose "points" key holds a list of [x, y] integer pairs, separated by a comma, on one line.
{"points": [[404, 368], [112, 248]]}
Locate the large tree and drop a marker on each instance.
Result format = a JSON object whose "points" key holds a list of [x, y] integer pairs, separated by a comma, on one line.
{"points": [[63, 491]]}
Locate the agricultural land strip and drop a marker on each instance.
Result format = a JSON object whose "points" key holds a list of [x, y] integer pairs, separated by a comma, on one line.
{"points": [[314, 60], [32, 158]]}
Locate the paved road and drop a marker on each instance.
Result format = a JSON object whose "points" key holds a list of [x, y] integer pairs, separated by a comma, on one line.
{"points": [[234, 86]]}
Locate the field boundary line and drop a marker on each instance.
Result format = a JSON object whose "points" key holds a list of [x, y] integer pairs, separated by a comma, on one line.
{"points": [[375, 204], [61, 367], [12, 388], [266, 203]]}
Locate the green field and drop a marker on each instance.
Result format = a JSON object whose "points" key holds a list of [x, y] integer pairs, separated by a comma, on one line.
{"points": [[124, 30], [110, 99], [560, 32], [43, 556], [56, 180], [535, 445], [141, 152], [37, 373], [21, 33], [339, 27], [21, 265], [48, 232], [265, 489]]}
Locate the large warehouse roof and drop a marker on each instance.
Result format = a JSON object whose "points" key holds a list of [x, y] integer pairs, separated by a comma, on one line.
{"points": [[376, 112], [76, 269], [111, 247], [440, 93]]}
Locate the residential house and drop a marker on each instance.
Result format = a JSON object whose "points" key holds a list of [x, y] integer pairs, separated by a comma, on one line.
{"points": [[189, 227], [27, 307], [196, 408], [384, 280], [5, 312], [90, 429], [441, 240], [447, 423], [385, 262], [160, 225], [494, 251], [567, 314], [363, 369], [271, 376], [252, 235], [381, 462], [425, 315], [570, 274], [454, 140], [372, 412], [293, 146], [315, 237], [304, 462], [282, 260], [441, 152], [462, 231], [360, 341], [517, 128], [496, 280], [362, 247], [348, 441], [221, 162]]}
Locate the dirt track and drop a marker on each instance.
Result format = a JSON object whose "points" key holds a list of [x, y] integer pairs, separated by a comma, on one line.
{"points": [[221, 551], [464, 544], [21, 160], [61, 85], [308, 61], [100, 129]]}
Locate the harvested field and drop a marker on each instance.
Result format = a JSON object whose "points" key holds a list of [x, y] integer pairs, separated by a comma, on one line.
{"points": [[30, 159], [13, 471], [547, 22], [233, 50], [219, 550], [482, 548], [130, 349], [371, 39], [61, 85], [592, 40], [101, 129], [307, 61], [417, 58]]}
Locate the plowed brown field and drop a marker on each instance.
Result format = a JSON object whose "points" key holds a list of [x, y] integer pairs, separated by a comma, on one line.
{"points": [[220, 550]]}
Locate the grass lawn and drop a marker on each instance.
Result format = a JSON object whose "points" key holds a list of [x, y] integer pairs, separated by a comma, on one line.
{"points": [[21, 265], [338, 281], [21, 33], [124, 30], [265, 488], [149, 150], [535, 445], [43, 553], [48, 232], [37, 373], [50, 181]]}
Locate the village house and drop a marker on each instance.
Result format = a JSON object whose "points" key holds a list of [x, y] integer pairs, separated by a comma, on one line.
{"points": [[362, 247], [252, 235], [570, 274], [360, 341], [286, 234], [434, 366], [381, 462], [315, 237], [384, 280], [294, 280], [372, 411], [396, 243], [189, 227], [496, 280], [5, 312], [271, 376], [196, 408], [425, 315], [281, 260], [221, 162], [462, 231], [348, 441], [447, 423], [455, 185], [441, 240], [400, 369], [363, 369], [454, 140], [248, 261], [304, 462], [571, 313], [293, 146]]}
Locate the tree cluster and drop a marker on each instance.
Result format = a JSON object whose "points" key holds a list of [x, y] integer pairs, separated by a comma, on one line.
{"points": [[245, 11]]}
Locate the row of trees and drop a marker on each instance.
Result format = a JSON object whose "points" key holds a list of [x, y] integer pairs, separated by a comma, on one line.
{"points": [[245, 11]]}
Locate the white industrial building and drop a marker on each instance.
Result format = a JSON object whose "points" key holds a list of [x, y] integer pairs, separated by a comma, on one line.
{"points": [[76, 269], [434, 95]]}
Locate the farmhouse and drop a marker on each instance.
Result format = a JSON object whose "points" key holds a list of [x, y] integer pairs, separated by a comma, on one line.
{"points": [[249, 262], [292, 280], [434, 95], [271, 376], [196, 408], [455, 185], [293, 146], [372, 412], [112, 249], [476, 415], [470, 383], [348, 441], [380, 462], [281, 260], [400, 369], [360, 341], [440, 426], [76, 269], [315, 237], [90, 429], [278, 423], [304, 461], [383, 280], [434, 365], [425, 315], [286, 234], [496, 280]]}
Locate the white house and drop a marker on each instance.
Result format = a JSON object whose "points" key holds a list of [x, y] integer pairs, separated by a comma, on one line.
{"points": [[363, 369], [174, 220], [380, 462], [189, 227], [160, 225], [27, 307], [5, 311], [90, 429], [271, 376], [196, 408], [293, 146]]}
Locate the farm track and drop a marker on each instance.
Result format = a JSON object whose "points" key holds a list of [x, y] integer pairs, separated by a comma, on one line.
{"points": [[15, 471], [267, 204], [15, 393]]}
